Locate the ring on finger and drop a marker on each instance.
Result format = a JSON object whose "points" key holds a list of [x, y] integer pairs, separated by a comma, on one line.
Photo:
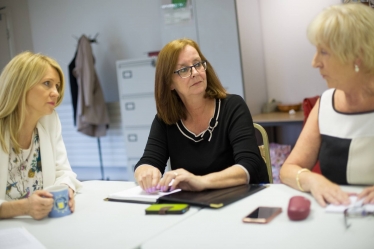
{"points": [[176, 174]]}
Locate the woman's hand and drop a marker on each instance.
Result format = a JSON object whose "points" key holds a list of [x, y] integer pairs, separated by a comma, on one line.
{"points": [[368, 195], [324, 191], [39, 204], [71, 200], [147, 177], [183, 180]]}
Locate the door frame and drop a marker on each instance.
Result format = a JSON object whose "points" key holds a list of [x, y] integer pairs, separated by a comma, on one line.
{"points": [[8, 23]]}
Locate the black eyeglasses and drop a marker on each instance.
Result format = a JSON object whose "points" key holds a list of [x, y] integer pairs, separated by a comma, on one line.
{"points": [[186, 72], [355, 212]]}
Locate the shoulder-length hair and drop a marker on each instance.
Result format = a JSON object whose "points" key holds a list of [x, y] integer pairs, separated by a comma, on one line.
{"points": [[22, 73], [348, 31], [170, 107]]}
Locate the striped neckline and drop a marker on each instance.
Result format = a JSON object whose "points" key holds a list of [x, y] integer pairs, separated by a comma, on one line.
{"points": [[208, 133]]}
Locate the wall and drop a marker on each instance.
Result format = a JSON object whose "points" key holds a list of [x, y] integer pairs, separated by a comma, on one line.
{"points": [[285, 51], [18, 14], [288, 53], [252, 53], [127, 29], [276, 55], [218, 37]]}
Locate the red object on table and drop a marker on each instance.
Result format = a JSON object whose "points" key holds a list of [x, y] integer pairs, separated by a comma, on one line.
{"points": [[308, 104], [298, 208]]}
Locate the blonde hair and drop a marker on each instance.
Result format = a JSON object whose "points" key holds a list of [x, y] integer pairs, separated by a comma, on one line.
{"points": [[170, 107], [17, 78], [348, 31]]}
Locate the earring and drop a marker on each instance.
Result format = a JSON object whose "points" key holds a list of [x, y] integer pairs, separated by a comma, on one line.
{"points": [[357, 69]]}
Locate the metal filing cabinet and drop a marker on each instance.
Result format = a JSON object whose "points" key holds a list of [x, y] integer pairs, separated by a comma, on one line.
{"points": [[138, 107]]}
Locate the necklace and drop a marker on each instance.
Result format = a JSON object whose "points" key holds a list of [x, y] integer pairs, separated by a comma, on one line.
{"points": [[24, 155]]}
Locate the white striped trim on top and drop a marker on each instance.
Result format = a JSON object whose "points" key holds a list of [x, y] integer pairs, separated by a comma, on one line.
{"points": [[210, 129]]}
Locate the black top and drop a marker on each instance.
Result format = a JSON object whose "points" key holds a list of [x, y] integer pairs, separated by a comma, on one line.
{"points": [[73, 88], [229, 140]]}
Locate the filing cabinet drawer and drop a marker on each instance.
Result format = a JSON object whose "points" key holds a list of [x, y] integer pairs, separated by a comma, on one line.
{"points": [[136, 76], [138, 111], [136, 139], [131, 162]]}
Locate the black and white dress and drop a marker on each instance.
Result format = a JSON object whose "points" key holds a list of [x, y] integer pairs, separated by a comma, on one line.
{"points": [[347, 143]]}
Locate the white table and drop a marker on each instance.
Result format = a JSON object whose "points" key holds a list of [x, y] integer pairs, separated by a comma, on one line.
{"points": [[100, 224], [223, 228], [97, 223]]}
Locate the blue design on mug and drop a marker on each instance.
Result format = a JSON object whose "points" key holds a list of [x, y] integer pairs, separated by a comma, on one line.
{"points": [[60, 201]]}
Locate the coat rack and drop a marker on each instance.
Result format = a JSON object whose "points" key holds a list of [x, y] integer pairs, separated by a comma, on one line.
{"points": [[101, 160], [94, 40]]}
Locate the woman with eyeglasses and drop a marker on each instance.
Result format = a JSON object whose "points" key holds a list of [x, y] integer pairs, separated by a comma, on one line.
{"points": [[207, 134], [32, 152], [339, 131]]}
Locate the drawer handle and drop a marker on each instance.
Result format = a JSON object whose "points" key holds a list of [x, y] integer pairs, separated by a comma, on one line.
{"points": [[127, 74], [129, 106], [132, 138]]}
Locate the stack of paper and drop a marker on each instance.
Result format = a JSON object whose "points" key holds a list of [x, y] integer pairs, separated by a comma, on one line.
{"points": [[136, 194], [354, 203], [18, 238]]}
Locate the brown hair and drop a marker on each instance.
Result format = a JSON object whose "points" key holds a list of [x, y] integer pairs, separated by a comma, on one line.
{"points": [[170, 107]]}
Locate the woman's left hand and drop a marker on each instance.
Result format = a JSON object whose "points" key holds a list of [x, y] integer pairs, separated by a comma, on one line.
{"points": [[71, 200], [183, 180], [368, 195]]}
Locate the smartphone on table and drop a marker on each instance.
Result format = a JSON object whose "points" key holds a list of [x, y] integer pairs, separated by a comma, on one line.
{"points": [[262, 215]]}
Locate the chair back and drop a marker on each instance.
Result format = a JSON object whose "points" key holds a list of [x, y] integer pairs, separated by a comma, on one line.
{"points": [[265, 150]]}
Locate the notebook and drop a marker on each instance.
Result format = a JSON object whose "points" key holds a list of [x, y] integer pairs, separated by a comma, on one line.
{"points": [[137, 195], [214, 198]]}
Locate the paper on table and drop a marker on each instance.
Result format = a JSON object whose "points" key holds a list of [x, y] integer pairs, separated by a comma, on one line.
{"points": [[18, 238], [354, 203], [139, 195]]}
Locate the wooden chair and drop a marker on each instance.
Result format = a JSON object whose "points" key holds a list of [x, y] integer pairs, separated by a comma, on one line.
{"points": [[265, 150]]}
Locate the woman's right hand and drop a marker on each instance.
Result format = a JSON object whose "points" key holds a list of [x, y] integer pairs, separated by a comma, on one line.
{"points": [[39, 204], [147, 177], [326, 192]]}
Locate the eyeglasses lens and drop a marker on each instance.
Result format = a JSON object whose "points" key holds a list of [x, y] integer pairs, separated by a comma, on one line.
{"points": [[187, 71]]}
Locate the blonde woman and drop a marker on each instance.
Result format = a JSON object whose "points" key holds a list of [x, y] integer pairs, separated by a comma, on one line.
{"points": [[339, 130], [32, 152]]}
